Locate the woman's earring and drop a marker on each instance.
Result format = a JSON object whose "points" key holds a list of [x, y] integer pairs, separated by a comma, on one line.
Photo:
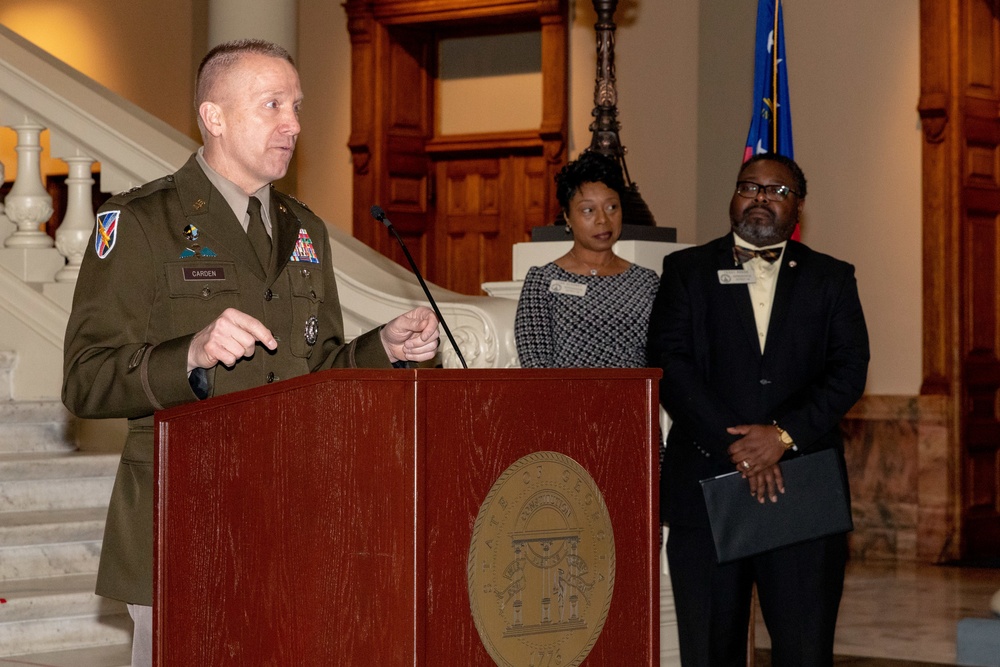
{"points": [[567, 230]]}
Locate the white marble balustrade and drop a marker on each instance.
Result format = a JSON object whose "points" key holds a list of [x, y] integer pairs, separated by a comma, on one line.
{"points": [[28, 205], [28, 251]]}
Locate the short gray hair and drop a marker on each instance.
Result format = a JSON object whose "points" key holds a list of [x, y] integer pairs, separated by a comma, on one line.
{"points": [[224, 56]]}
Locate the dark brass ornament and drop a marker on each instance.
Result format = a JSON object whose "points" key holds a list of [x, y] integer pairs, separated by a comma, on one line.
{"points": [[605, 138]]}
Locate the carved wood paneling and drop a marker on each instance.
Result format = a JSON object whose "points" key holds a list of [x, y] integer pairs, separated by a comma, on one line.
{"points": [[980, 48], [960, 101], [450, 11], [538, 195], [980, 314], [403, 166], [471, 202], [939, 528], [484, 206], [938, 108], [981, 268]]}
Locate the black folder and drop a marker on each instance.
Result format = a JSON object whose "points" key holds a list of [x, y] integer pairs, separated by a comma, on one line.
{"points": [[814, 504]]}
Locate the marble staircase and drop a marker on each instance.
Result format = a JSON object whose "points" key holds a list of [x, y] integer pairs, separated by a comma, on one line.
{"points": [[53, 502]]}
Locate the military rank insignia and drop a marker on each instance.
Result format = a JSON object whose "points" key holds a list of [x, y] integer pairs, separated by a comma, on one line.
{"points": [[107, 233], [304, 250]]}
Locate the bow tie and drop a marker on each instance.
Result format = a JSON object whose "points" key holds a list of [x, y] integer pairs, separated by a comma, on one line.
{"points": [[743, 255]]}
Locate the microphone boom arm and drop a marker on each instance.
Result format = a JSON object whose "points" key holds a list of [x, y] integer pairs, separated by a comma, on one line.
{"points": [[379, 215]]}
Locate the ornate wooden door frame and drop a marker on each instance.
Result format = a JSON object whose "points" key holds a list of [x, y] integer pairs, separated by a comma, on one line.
{"points": [[392, 163], [958, 478]]}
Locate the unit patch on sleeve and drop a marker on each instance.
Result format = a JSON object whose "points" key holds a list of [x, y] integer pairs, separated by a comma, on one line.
{"points": [[304, 250], [107, 233]]}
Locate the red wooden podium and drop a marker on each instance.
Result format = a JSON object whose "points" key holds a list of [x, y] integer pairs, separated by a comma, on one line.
{"points": [[327, 520]]}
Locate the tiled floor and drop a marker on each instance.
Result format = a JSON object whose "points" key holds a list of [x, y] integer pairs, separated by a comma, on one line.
{"points": [[890, 616], [763, 659], [906, 612]]}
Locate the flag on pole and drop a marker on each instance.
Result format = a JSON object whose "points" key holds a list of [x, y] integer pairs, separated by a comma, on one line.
{"points": [[771, 125]]}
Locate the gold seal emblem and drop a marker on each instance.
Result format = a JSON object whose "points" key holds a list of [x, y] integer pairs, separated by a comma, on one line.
{"points": [[541, 564]]}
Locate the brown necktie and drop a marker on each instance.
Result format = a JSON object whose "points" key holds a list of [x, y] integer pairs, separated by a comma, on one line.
{"points": [[743, 255], [257, 233]]}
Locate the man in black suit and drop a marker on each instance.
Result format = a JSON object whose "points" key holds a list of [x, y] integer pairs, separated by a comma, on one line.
{"points": [[764, 349]]}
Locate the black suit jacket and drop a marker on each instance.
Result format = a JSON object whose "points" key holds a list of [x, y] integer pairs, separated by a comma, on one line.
{"points": [[703, 335]]}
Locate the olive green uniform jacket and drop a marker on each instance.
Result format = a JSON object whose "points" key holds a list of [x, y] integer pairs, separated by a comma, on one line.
{"points": [[136, 310]]}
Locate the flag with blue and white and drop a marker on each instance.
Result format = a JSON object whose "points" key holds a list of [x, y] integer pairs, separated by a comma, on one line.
{"points": [[771, 124]]}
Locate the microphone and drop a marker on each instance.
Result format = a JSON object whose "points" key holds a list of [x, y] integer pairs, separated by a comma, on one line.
{"points": [[379, 215]]}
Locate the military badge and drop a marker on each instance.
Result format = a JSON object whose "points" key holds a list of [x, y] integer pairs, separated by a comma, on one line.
{"points": [[191, 233], [197, 251], [304, 250], [107, 233], [311, 331]]}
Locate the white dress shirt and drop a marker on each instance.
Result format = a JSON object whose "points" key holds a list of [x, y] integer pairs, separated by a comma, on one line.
{"points": [[762, 289]]}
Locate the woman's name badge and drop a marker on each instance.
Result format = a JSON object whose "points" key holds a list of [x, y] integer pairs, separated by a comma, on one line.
{"points": [[736, 277], [564, 287]]}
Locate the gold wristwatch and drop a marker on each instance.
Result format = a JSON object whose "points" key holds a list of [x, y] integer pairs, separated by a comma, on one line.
{"points": [[786, 439]]}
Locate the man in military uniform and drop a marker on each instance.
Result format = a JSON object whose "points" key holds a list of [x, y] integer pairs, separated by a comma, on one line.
{"points": [[206, 282]]}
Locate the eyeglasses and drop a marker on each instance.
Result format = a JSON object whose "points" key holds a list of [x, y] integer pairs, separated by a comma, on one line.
{"points": [[749, 189]]}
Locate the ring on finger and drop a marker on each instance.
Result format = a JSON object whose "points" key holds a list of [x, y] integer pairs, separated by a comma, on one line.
{"points": [[746, 465]]}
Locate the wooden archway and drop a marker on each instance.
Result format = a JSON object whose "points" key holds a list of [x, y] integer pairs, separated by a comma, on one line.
{"points": [[460, 202]]}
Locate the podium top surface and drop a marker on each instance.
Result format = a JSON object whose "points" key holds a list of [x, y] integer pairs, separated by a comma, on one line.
{"points": [[416, 375]]}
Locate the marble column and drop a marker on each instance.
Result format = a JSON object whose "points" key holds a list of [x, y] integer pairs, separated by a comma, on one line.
{"points": [[273, 20]]}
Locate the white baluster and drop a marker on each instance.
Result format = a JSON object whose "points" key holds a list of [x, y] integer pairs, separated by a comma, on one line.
{"points": [[28, 204], [74, 230]]}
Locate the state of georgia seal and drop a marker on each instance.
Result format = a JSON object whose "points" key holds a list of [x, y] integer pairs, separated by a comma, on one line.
{"points": [[541, 564]]}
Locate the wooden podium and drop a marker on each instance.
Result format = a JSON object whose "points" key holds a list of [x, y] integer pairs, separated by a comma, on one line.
{"points": [[327, 520]]}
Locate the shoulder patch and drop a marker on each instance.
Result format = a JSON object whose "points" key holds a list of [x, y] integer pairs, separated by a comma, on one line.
{"points": [[107, 233]]}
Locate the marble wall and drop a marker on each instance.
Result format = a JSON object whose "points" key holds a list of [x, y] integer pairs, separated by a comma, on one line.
{"points": [[903, 480]]}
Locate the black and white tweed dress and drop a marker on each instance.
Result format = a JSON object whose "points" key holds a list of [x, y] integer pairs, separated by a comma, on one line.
{"points": [[605, 327]]}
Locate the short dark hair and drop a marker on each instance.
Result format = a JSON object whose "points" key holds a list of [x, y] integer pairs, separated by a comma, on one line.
{"points": [[589, 167], [800, 178], [227, 54]]}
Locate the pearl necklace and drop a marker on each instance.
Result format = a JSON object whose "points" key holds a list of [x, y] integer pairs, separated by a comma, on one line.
{"points": [[593, 271]]}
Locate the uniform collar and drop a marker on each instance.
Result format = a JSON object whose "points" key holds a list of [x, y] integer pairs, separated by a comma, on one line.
{"points": [[234, 195]]}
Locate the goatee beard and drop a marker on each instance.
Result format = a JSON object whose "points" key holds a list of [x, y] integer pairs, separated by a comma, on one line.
{"points": [[762, 234]]}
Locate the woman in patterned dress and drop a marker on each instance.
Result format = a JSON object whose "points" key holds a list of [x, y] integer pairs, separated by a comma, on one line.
{"points": [[590, 307]]}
